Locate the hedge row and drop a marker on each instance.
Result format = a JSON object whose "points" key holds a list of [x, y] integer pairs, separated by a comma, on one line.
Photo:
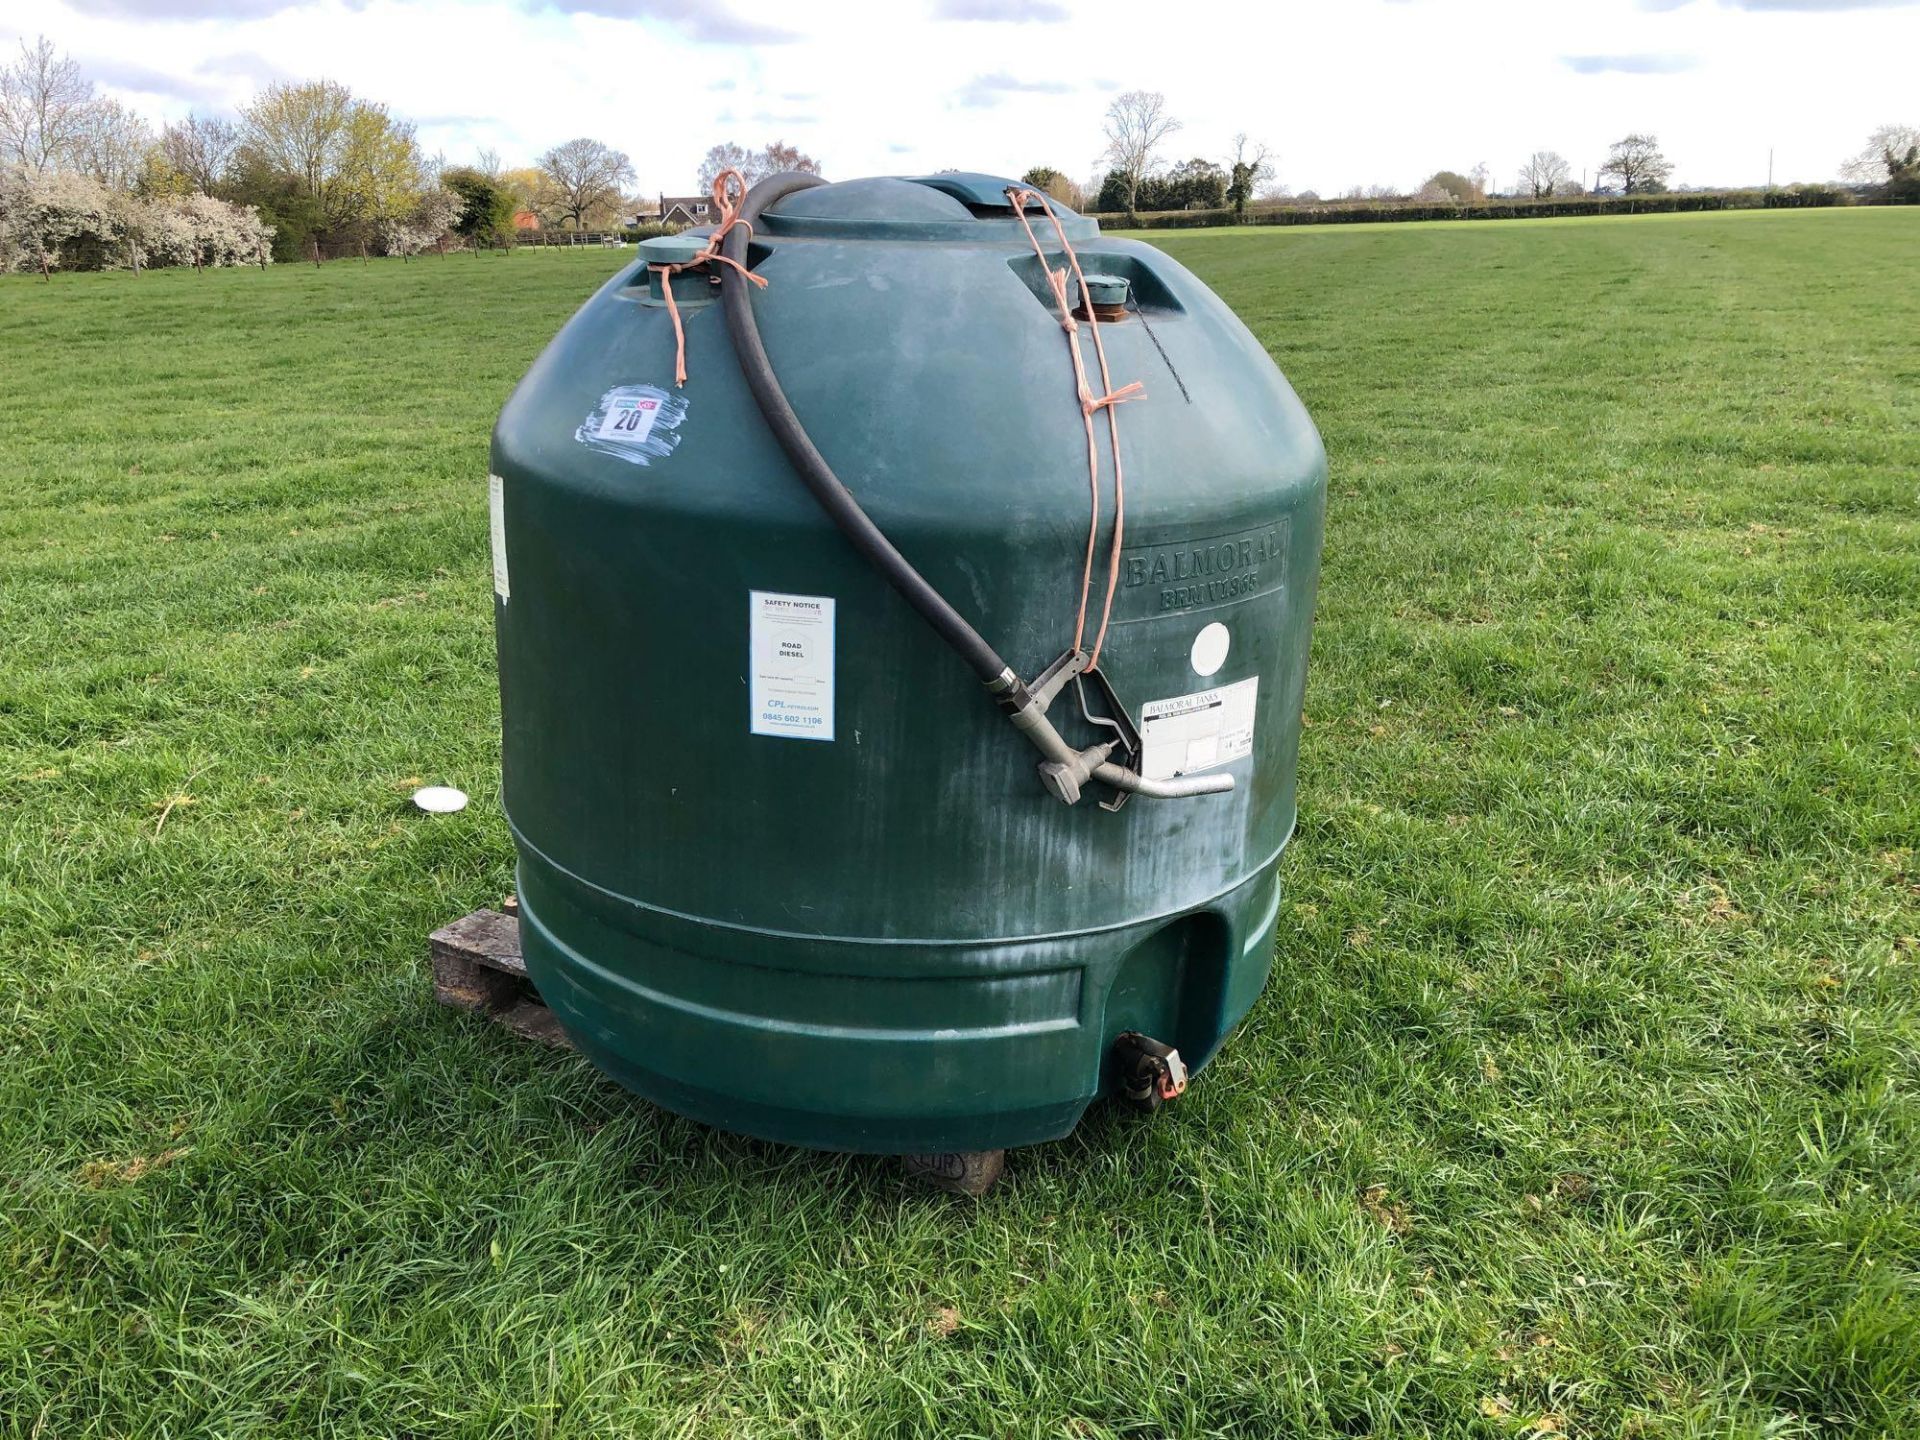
{"points": [[1343, 212], [626, 234]]}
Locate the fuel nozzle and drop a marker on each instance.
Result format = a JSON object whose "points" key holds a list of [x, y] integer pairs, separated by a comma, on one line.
{"points": [[1065, 770]]}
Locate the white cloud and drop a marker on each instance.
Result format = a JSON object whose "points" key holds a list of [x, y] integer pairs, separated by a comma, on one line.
{"points": [[1821, 5], [1629, 64], [707, 21], [1017, 12], [182, 9], [983, 92]]}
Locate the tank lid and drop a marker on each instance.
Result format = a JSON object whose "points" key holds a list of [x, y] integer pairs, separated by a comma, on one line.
{"points": [[672, 249], [881, 198], [958, 205]]}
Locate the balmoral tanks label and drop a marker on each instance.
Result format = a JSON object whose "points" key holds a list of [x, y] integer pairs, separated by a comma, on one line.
{"points": [[1196, 574]]}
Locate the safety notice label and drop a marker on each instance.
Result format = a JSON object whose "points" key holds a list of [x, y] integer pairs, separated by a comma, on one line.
{"points": [[497, 523], [791, 655], [1199, 731]]}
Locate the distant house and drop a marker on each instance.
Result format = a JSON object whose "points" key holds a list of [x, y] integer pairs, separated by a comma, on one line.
{"points": [[684, 210], [525, 220]]}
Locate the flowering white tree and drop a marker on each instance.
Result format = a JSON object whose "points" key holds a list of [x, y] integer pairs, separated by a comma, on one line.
{"points": [[223, 233], [42, 214], [165, 233], [430, 217], [58, 219]]}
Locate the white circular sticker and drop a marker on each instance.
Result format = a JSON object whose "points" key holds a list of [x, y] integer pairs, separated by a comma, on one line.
{"points": [[1210, 648]]}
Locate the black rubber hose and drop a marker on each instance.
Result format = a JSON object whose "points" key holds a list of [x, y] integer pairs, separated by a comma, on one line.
{"points": [[834, 497]]}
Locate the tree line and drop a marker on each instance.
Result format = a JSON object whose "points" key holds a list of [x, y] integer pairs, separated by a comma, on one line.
{"points": [[1139, 125], [75, 183], [308, 170], [305, 170]]}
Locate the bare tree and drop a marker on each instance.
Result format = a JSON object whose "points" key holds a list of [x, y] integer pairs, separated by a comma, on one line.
{"points": [[1638, 164], [1248, 169], [200, 148], [1885, 147], [1543, 172], [1137, 124], [754, 165], [112, 145], [43, 108], [728, 155], [782, 158], [587, 175], [487, 162]]}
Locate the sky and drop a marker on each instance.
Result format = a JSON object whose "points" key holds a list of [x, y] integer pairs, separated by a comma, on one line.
{"points": [[1344, 93]]}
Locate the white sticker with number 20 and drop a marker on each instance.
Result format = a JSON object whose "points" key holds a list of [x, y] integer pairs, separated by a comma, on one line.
{"points": [[629, 418]]}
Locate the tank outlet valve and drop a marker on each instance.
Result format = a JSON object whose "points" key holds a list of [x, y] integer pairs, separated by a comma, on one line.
{"points": [[1065, 771], [1063, 778], [1149, 1072]]}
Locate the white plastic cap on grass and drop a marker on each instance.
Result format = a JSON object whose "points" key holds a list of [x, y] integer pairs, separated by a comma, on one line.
{"points": [[440, 799]]}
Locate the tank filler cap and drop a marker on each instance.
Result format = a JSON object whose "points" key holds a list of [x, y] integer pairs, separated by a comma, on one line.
{"points": [[1106, 298], [672, 249], [689, 286]]}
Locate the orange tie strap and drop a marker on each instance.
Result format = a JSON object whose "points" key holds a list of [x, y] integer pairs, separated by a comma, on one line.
{"points": [[729, 191], [1089, 405]]}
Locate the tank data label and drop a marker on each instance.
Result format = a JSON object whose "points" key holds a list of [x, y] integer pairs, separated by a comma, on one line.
{"points": [[791, 654], [497, 521], [1199, 731], [635, 423]]}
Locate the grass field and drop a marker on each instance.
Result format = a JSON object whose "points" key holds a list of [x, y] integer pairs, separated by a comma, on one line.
{"points": [[1584, 1098]]}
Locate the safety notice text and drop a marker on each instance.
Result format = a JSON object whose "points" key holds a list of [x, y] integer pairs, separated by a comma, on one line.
{"points": [[791, 658]]}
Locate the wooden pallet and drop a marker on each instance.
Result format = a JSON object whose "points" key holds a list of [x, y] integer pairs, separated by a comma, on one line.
{"points": [[477, 967]]}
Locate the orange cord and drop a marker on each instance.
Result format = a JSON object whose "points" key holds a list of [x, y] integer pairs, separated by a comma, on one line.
{"points": [[1089, 403], [730, 189], [729, 207]]}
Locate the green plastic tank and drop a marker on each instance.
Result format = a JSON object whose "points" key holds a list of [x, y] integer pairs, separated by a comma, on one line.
{"points": [[783, 867]]}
